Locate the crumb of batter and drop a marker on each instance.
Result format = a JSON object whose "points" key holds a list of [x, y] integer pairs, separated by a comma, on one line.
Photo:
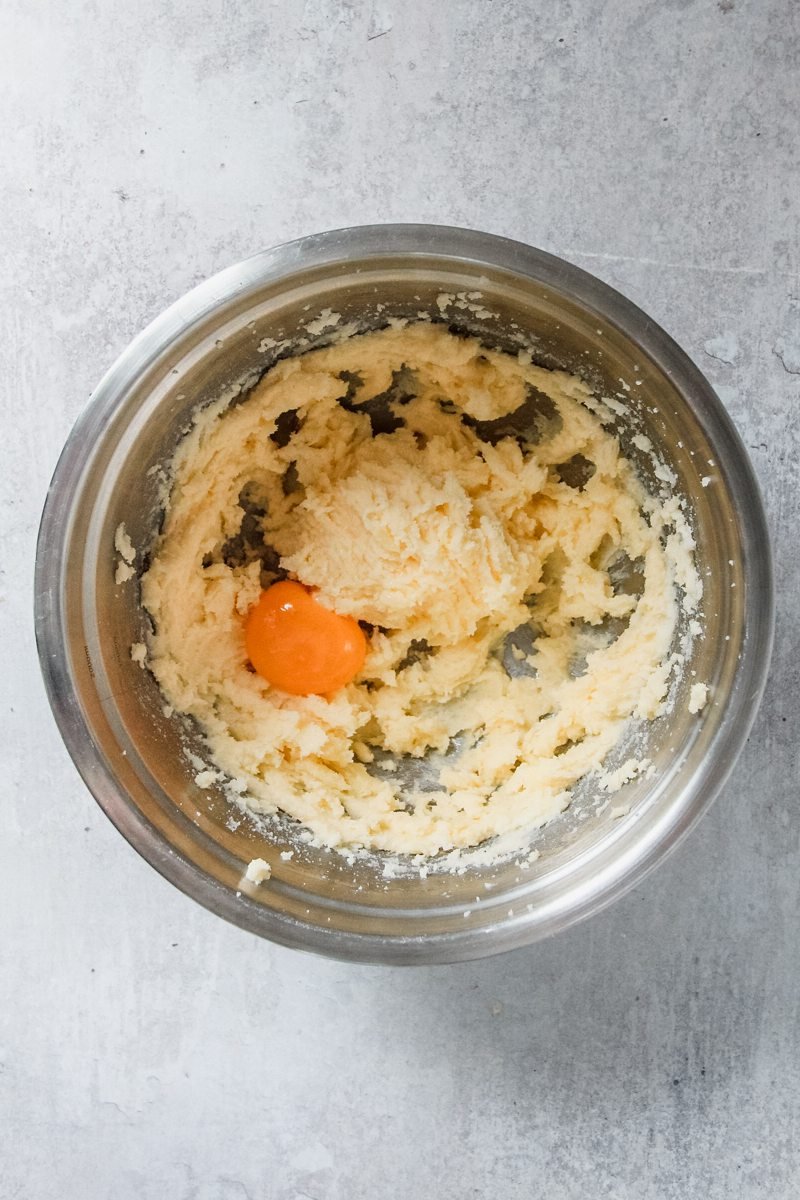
{"points": [[258, 870], [139, 653], [612, 781], [127, 554], [517, 586], [207, 779], [123, 544]]}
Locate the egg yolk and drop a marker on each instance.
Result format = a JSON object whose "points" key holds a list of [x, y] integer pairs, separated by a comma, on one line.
{"points": [[299, 646]]}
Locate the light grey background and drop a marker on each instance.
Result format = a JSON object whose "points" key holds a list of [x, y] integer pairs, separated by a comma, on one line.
{"points": [[148, 1051]]}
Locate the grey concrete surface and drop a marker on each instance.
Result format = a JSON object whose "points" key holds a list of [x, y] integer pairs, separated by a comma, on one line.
{"points": [[148, 1051]]}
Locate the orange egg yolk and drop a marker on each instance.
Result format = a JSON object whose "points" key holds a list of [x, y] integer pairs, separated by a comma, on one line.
{"points": [[299, 646]]}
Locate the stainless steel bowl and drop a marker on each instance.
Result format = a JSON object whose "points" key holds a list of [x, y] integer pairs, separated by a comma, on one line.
{"points": [[109, 711]]}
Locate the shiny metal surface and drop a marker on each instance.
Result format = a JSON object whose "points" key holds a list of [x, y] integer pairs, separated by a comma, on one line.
{"points": [[132, 757]]}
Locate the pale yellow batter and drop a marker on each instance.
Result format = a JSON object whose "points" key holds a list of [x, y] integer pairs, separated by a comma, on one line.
{"points": [[426, 516]]}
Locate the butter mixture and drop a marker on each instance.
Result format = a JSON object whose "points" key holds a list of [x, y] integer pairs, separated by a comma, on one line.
{"points": [[516, 585]]}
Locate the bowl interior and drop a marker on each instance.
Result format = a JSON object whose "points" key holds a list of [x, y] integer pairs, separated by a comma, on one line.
{"points": [[141, 766]]}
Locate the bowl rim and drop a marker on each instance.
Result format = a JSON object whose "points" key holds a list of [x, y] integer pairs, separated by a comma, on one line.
{"points": [[450, 245]]}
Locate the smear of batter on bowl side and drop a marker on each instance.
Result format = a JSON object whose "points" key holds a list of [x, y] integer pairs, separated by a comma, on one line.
{"points": [[516, 584]]}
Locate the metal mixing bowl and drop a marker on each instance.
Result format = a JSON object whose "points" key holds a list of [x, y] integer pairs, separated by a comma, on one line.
{"points": [[133, 757]]}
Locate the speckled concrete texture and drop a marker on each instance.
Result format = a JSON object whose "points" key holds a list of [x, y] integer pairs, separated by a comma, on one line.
{"points": [[147, 1050]]}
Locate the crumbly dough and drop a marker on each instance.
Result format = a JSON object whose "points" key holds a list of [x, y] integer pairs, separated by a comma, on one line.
{"points": [[389, 472]]}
